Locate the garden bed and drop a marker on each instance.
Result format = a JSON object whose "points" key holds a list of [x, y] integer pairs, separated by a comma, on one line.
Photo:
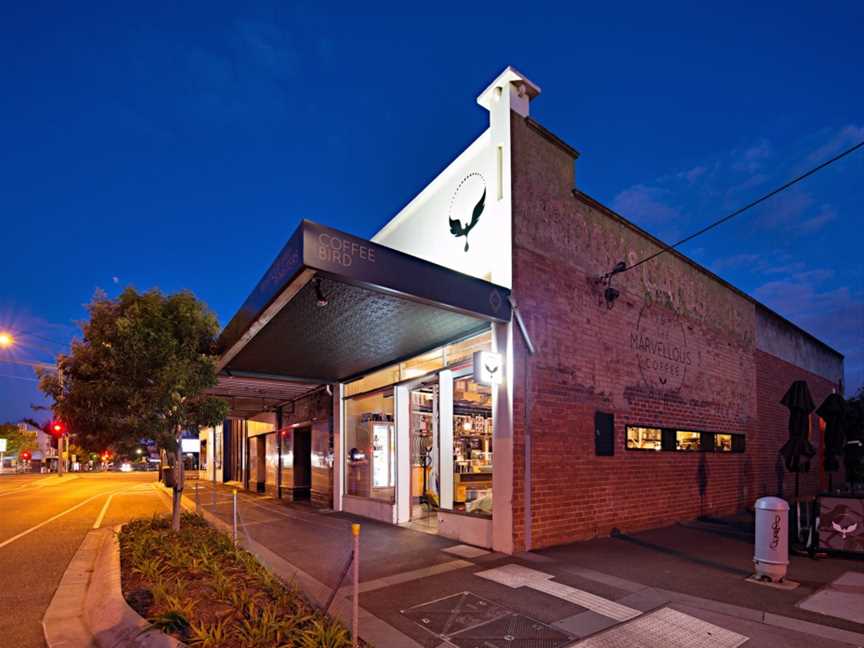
{"points": [[198, 587]]}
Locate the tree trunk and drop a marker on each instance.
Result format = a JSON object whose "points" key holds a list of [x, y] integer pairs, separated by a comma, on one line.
{"points": [[178, 484]]}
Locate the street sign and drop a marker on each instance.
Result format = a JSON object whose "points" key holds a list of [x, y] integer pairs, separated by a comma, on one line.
{"points": [[2, 445]]}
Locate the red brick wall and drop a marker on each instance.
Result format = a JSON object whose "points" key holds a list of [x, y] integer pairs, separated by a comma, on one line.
{"points": [[773, 378], [588, 359]]}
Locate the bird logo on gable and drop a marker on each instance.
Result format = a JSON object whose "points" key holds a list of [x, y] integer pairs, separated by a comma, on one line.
{"points": [[467, 188]]}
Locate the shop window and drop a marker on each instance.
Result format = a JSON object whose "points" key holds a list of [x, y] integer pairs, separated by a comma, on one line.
{"points": [[738, 443], [464, 350], [644, 438], [688, 441], [472, 447], [722, 443], [422, 365], [427, 363], [376, 380], [370, 442]]}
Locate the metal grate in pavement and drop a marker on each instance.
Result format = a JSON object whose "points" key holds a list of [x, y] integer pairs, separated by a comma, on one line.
{"points": [[665, 628], [511, 631], [454, 613]]}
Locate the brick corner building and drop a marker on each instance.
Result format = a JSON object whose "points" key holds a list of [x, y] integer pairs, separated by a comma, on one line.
{"points": [[476, 370]]}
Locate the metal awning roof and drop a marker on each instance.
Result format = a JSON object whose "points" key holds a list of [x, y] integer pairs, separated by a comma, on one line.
{"points": [[333, 306], [250, 396]]}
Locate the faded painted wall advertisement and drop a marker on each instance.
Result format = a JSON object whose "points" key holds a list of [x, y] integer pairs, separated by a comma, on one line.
{"points": [[660, 345]]}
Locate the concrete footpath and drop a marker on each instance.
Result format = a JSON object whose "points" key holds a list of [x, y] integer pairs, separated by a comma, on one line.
{"points": [[680, 586]]}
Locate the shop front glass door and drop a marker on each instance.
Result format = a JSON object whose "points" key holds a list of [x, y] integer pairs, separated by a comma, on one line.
{"points": [[423, 408]]}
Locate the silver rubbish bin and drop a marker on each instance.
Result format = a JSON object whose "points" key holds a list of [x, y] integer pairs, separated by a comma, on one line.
{"points": [[771, 553]]}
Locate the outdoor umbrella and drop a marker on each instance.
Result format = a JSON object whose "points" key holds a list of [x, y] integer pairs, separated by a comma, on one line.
{"points": [[798, 451], [853, 451], [832, 411]]}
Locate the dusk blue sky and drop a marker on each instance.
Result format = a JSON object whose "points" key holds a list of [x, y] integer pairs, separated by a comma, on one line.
{"points": [[178, 146]]}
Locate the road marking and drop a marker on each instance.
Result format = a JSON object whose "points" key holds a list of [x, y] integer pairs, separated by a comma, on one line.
{"points": [[104, 510], [15, 490], [51, 519], [135, 490], [514, 576]]}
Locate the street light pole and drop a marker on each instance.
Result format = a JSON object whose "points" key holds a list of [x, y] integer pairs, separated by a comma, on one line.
{"points": [[61, 458]]}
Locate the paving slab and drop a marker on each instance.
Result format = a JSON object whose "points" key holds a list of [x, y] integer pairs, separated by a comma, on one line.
{"points": [[704, 561], [665, 628], [842, 598]]}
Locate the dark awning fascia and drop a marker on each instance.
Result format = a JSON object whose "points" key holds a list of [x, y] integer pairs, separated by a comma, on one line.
{"points": [[314, 248]]}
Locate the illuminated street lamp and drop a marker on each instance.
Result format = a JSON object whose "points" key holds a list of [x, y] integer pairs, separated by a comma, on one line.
{"points": [[6, 340]]}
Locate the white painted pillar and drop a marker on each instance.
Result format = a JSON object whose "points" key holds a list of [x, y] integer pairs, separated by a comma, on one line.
{"points": [[502, 443], [445, 437], [338, 445], [403, 454]]}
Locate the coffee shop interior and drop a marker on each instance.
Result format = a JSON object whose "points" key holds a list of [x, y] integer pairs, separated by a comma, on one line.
{"points": [[449, 438]]}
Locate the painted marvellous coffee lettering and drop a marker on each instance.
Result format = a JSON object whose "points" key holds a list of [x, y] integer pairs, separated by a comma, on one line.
{"points": [[659, 348], [343, 251]]}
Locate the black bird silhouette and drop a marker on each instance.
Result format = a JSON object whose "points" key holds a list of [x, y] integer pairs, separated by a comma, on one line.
{"points": [[456, 227]]}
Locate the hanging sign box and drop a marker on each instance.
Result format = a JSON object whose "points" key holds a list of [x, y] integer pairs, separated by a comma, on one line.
{"points": [[488, 368]]}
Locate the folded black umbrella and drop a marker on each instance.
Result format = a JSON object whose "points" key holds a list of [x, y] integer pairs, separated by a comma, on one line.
{"points": [[833, 412], [798, 397], [798, 450], [853, 449]]}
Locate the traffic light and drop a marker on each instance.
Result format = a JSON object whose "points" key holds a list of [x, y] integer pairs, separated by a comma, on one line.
{"points": [[58, 428], [25, 456]]}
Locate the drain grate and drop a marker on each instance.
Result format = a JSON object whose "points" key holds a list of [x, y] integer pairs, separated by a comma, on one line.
{"points": [[466, 620], [454, 613], [511, 631]]}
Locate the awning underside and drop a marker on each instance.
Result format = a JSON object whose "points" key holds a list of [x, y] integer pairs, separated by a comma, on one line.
{"points": [[250, 396], [358, 330]]}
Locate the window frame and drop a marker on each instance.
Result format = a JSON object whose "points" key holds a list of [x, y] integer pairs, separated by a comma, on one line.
{"points": [[627, 427], [669, 440]]}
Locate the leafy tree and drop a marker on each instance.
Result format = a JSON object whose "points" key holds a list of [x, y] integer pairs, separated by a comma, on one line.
{"points": [[140, 370], [17, 440]]}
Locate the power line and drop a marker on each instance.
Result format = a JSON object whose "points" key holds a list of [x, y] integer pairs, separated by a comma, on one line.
{"points": [[741, 210], [19, 377], [26, 334]]}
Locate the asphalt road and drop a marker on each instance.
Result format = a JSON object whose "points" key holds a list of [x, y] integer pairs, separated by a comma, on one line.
{"points": [[43, 520]]}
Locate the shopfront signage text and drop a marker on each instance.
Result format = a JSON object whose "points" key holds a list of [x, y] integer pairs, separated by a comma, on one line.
{"points": [[661, 348], [343, 251]]}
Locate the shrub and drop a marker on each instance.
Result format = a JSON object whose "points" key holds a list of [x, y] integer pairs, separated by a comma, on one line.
{"points": [[208, 593]]}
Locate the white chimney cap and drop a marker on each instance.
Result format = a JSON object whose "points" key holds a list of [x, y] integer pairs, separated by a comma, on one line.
{"points": [[510, 76]]}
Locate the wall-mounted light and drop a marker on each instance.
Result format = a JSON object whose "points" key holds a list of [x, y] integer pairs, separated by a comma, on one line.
{"points": [[319, 294], [610, 293]]}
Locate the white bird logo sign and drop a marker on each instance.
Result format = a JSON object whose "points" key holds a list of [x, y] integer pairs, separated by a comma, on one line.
{"points": [[844, 531]]}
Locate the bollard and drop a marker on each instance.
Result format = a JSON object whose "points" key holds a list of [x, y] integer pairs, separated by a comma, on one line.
{"points": [[234, 528], [771, 550], [355, 612], [197, 500]]}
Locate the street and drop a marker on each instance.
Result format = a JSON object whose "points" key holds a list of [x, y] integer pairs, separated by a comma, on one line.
{"points": [[44, 520]]}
